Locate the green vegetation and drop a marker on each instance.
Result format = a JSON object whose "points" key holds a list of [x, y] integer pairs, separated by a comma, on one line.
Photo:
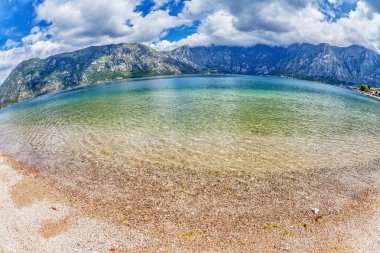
{"points": [[87, 66], [106, 75], [363, 88], [370, 90]]}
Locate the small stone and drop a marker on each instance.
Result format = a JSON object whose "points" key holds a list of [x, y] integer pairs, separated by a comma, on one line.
{"points": [[315, 210], [318, 218]]}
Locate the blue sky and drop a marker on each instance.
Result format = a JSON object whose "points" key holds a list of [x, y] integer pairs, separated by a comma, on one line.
{"points": [[39, 28], [16, 20]]}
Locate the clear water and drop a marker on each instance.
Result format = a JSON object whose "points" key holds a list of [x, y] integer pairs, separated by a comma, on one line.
{"points": [[208, 122]]}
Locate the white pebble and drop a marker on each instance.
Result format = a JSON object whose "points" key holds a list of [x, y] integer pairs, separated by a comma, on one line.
{"points": [[315, 210]]}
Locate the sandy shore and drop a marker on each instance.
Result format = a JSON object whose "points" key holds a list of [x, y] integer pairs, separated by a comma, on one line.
{"points": [[183, 210]]}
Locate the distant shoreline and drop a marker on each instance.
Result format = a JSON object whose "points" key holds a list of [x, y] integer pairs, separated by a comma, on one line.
{"points": [[367, 94], [136, 79]]}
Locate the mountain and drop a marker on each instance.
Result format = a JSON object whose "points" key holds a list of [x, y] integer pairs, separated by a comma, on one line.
{"points": [[35, 77], [335, 65]]}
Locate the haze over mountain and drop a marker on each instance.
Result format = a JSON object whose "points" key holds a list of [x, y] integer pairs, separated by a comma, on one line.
{"points": [[335, 65]]}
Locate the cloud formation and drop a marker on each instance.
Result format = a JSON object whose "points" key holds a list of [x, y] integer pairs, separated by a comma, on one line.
{"points": [[65, 25], [283, 22]]}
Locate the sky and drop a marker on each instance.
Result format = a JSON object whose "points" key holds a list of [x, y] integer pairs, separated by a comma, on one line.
{"points": [[40, 28]]}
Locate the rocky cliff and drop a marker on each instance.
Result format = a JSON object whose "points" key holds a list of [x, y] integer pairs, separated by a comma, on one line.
{"points": [[335, 65], [35, 77]]}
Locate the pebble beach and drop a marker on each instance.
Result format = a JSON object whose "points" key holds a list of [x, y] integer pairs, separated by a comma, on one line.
{"points": [[223, 212]]}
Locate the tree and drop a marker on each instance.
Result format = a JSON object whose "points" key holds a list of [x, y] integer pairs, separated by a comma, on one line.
{"points": [[363, 87], [369, 86]]}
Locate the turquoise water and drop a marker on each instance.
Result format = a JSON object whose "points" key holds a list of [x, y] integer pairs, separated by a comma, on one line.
{"points": [[206, 122]]}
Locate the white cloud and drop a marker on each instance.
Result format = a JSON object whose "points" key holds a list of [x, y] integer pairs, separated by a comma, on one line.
{"points": [[85, 22], [279, 22], [77, 24], [375, 4], [10, 58], [9, 44]]}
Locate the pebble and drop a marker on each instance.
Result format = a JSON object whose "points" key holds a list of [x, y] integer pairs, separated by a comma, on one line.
{"points": [[315, 210]]}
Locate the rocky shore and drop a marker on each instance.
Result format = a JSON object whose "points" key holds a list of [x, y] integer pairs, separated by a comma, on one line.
{"points": [[373, 92]]}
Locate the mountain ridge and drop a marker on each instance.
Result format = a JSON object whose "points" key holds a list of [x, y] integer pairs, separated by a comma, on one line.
{"points": [[323, 62], [350, 65], [87, 66]]}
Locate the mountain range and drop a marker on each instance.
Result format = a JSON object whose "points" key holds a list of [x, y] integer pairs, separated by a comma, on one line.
{"points": [[334, 65], [351, 65]]}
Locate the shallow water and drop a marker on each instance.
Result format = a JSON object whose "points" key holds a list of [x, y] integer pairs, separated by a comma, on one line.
{"points": [[208, 122]]}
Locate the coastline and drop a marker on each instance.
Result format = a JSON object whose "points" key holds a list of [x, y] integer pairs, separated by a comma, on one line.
{"points": [[136, 79], [210, 211], [367, 94]]}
